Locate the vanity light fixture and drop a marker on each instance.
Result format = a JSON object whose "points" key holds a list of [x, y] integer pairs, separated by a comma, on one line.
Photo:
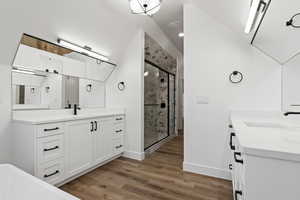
{"points": [[257, 7], [84, 50], [145, 7], [181, 35]]}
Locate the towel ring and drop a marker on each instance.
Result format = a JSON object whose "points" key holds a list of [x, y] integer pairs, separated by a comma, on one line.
{"points": [[236, 77]]}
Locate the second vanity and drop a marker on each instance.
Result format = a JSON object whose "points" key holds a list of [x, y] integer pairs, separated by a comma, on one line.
{"points": [[265, 155], [57, 146]]}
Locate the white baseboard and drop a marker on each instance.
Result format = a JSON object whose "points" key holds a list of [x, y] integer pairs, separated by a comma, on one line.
{"points": [[206, 170], [134, 155]]}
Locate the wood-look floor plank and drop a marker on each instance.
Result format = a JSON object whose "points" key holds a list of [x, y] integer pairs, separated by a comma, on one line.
{"points": [[158, 177]]}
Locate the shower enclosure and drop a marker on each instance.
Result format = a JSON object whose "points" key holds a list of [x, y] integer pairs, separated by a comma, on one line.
{"points": [[159, 104]]}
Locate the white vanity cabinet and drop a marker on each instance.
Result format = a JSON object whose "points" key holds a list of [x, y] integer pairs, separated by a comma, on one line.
{"points": [[40, 150], [260, 174], [236, 166], [57, 152]]}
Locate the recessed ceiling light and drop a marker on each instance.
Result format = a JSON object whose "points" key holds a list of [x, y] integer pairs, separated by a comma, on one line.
{"points": [[181, 34]]}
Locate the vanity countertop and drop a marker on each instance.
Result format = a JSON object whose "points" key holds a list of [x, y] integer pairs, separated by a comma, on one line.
{"points": [[53, 116], [268, 134]]}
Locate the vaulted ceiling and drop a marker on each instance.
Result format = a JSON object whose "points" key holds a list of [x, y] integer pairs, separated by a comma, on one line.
{"points": [[232, 13], [170, 20]]}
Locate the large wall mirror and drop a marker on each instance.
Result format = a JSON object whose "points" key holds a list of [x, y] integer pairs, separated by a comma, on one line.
{"points": [[275, 36], [278, 38], [48, 76]]}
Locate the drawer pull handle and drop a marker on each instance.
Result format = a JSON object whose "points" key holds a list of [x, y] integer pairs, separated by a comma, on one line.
{"points": [[51, 149], [96, 125], [92, 126], [49, 175], [119, 131], [51, 129], [236, 193], [232, 147], [118, 119], [236, 159], [118, 147]]}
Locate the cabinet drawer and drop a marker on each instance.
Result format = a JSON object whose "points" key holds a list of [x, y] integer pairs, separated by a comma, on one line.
{"points": [[119, 129], [118, 145], [119, 119], [50, 129], [50, 148], [51, 172]]}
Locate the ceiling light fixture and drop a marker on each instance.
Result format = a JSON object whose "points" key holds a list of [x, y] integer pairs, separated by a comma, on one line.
{"points": [[257, 7], [145, 7], [84, 50], [181, 34]]}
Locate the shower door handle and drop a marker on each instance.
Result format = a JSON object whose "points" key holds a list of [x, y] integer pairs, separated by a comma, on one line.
{"points": [[163, 105]]}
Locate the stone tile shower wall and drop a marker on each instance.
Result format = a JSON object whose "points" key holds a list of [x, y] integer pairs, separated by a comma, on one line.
{"points": [[157, 55], [156, 92]]}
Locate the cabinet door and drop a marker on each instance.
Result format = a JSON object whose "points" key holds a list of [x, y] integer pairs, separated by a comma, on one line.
{"points": [[103, 148], [79, 148], [27, 57], [73, 67]]}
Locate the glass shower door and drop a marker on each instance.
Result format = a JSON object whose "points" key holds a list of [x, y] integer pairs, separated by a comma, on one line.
{"points": [[156, 101]]}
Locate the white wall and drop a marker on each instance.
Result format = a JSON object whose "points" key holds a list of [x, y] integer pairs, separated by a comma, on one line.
{"points": [[131, 72], [5, 113], [94, 98], [212, 52]]}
